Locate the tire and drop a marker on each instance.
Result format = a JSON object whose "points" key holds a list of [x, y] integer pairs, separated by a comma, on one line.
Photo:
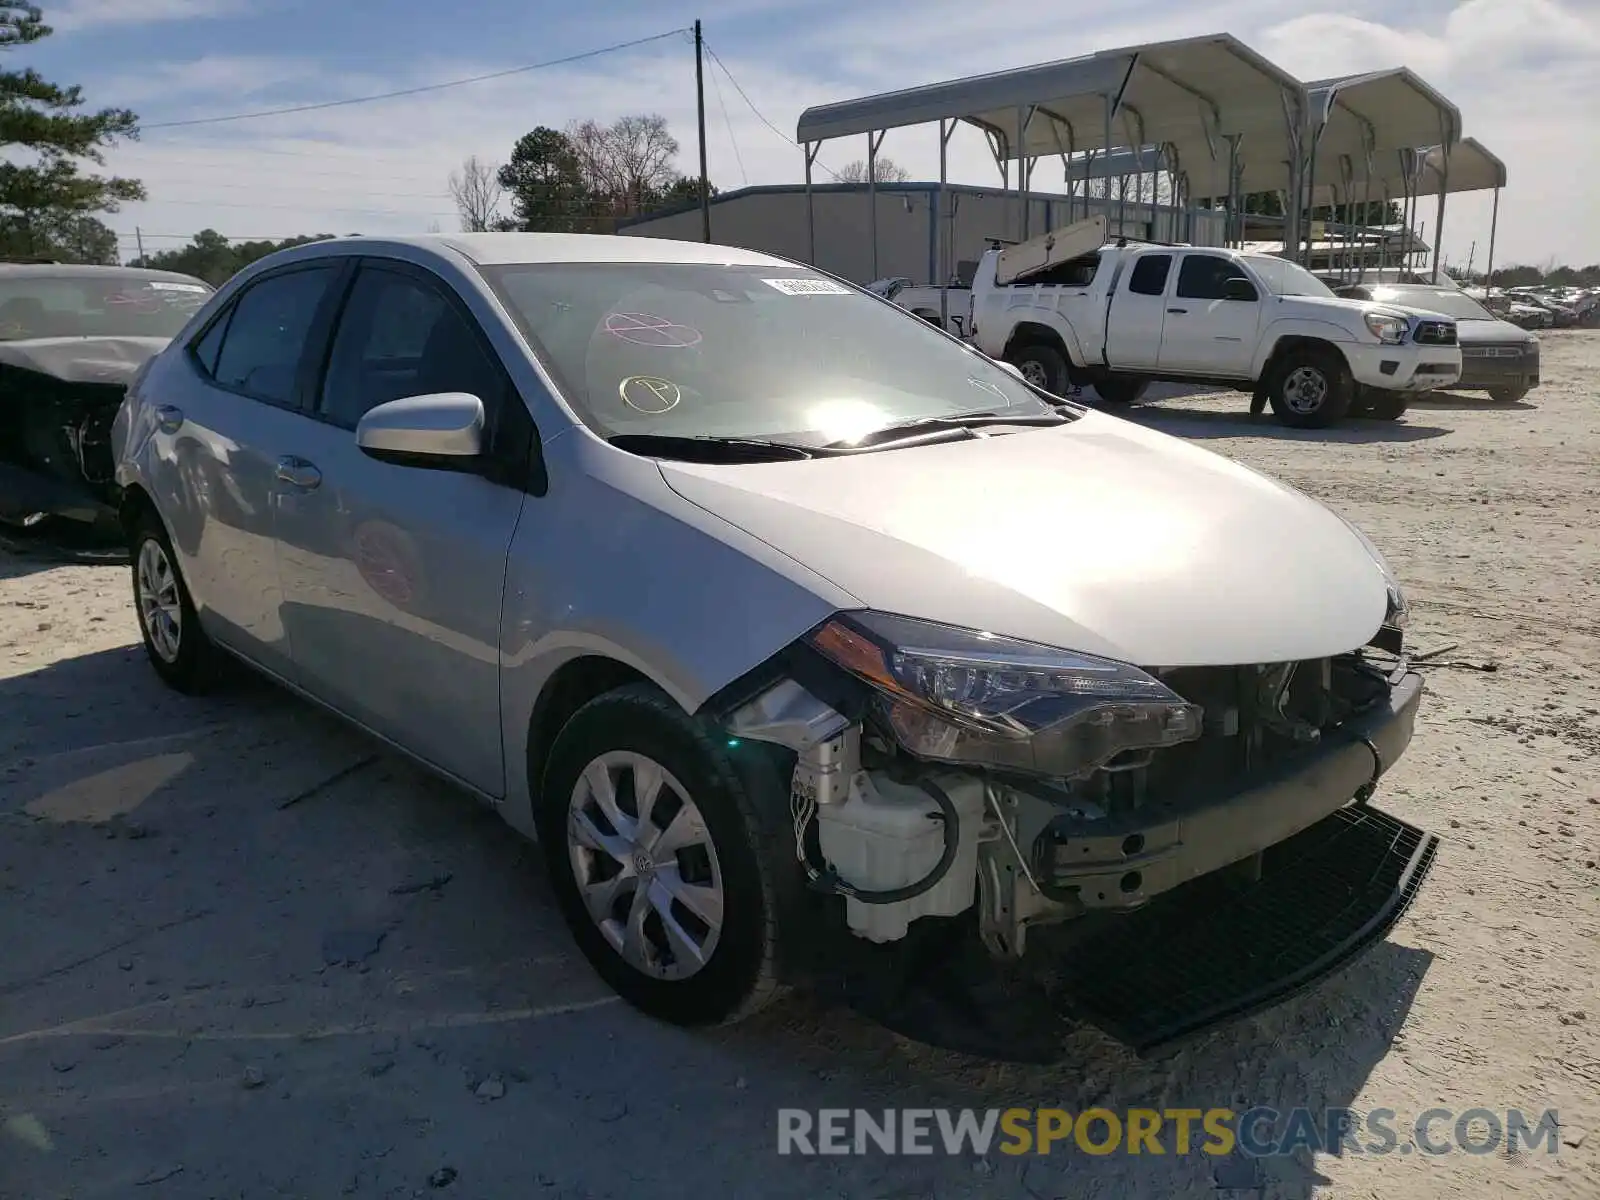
{"points": [[1510, 395], [1311, 387], [1386, 406], [177, 647], [728, 853], [1043, 366], [1121, 389]]}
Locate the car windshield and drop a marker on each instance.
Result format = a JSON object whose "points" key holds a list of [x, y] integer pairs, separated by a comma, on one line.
{"points": [[1447, 301], [102, 304], [714, 351], [1284, 278]]}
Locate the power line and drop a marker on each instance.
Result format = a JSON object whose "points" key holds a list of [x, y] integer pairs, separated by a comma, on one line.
{"points": [[728, 121], [760, 116], [252, 151], [300, 208], [203, 185], [415, 91]]}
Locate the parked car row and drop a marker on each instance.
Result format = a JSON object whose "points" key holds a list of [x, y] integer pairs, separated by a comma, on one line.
{"points": [[811, 644]]}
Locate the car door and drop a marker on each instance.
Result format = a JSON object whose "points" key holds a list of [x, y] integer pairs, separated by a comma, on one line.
{"points": [[1206, 333], [392, 574], [1138, 314], [229, 407]]}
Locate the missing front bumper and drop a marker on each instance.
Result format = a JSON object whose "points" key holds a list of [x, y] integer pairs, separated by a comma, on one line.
{"points": [[1200, 958], [1208, 953], [1126, 863]]}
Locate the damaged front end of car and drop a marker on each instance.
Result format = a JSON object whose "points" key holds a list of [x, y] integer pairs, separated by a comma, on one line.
{"points": [[58, 399], [1152, 851]]}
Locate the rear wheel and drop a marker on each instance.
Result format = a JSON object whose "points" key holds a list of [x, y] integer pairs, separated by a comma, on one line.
{"points": [[1386, 406], [1043, 366], [177, 647], [1508, 395], [1121, 389], [655, 851], [1311, 387]]}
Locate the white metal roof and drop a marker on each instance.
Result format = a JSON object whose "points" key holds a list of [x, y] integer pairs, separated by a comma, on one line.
{"points": [[1397, 109], [1392, 112], [1187, 92], [1473, 168]]}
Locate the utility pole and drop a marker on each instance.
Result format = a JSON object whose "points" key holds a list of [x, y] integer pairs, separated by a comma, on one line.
{"points": [[700, 105], [138, 240]]}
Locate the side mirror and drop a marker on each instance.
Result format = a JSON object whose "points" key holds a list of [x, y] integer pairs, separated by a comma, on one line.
{"points": [[444, 429], [1239, 288]]}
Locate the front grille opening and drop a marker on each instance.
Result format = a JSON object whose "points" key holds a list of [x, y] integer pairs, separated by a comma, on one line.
{"points": [[1257, 719]]}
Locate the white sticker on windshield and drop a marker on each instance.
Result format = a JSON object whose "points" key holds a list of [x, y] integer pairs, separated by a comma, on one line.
{"points": [[157, 285], [808, 287]]}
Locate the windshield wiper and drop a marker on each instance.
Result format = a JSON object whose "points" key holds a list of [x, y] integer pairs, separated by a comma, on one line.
{"points": [[931, 427], [707, 448]]}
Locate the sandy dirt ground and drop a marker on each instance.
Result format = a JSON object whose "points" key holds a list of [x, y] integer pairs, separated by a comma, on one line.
{"points": [[242, 954]]}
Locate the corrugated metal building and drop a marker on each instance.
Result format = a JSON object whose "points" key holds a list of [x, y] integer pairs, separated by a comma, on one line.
{"points": [[773, 220]]}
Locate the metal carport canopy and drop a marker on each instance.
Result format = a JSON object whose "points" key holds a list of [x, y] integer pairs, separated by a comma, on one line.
{"points": [[1195, 90]]}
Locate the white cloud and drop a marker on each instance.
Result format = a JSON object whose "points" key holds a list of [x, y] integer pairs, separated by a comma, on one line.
{"points": [[1522, 72], [89, 14]]}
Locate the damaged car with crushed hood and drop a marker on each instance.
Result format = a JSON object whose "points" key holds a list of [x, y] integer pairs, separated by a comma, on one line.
{"points": [[812, 645], [71, 338]]}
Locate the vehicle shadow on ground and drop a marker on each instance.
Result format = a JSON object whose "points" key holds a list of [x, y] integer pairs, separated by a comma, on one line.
{"points": [[1467, 402], [24, 554], [234, 912], [1203, 424]]}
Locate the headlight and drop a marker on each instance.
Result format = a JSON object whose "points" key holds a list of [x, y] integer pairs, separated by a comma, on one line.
{"points": [[1388, 329], [961, 696]]}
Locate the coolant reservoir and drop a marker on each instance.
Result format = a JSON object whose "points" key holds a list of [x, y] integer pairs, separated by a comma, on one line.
{"points": [[890, 835]]}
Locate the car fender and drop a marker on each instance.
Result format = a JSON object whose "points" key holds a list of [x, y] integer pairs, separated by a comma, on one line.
{"points": [[1295, 327], [648, 580]]}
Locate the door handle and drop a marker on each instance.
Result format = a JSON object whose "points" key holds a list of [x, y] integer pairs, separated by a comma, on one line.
{"points": [[297, 472], [169, 417], [1177, 310]]}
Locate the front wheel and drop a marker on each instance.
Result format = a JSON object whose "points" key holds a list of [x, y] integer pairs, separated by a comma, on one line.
{"points": [[654, 849], [1311, 388], [1508, 395]]}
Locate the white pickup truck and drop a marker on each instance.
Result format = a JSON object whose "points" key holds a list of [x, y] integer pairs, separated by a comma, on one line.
{"points": [[1069, 310]]}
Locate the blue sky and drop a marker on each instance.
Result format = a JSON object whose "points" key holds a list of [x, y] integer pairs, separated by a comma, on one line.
{"points": [[1522, 72]]}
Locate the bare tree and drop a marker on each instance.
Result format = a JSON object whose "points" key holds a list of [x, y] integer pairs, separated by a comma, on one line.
{"points": [[627, 164], [888, 171], [476, 190]]}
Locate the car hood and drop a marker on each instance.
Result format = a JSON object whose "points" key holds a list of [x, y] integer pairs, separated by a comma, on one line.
{"points": [[1098, 536], [1345, 305], [104, 360], [1469, 332]]}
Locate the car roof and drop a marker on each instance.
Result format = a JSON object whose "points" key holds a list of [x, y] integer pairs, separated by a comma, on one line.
{"points": [[35, 270], [504, 249]]}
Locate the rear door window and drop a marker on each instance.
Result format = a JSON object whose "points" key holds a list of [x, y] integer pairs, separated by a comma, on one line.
{"points": [[1149, 277]]}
